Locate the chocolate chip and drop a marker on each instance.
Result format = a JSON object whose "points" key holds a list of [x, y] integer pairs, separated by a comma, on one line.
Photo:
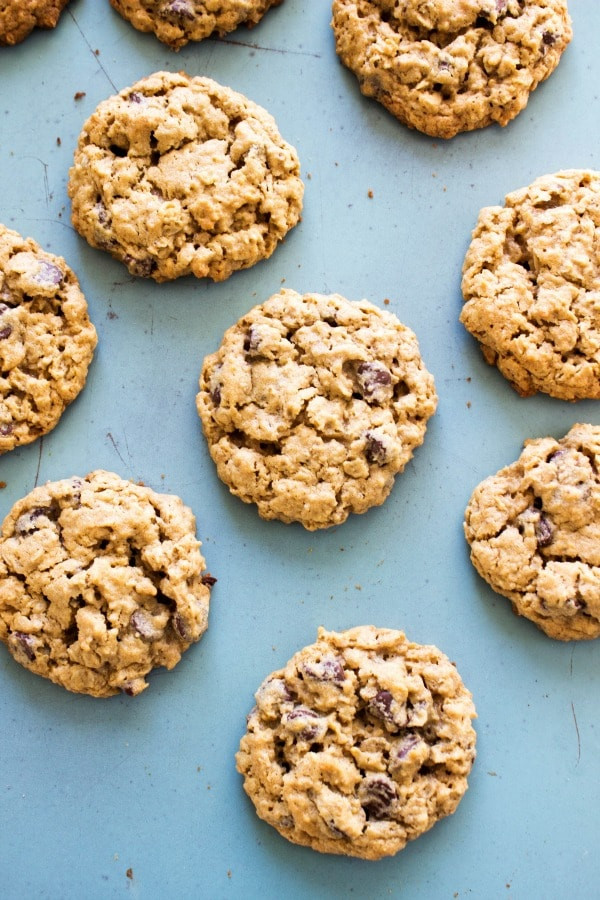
{"points": [[101, 213], [182, 9], [143, 268], [26, 643], [251, 341], [141, 621], [308, 724], [377, 795], [548, 38], [48, 274], [375, 450], [136, 97], [215, 395], [544, 531], [383, 707], [408, 743], [208, 579], [6, 428], [26, 524], [328, 669], [5, 332], [181, 627], [374, 381]]}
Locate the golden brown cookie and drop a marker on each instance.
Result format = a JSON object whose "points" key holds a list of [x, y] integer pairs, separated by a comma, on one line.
{"points": [[531, 285], [175, 22], [359, 744], [534, 533], [313, 404], [178, 175], [46, 339], [18, 18], [101, 580], [444, 66]]}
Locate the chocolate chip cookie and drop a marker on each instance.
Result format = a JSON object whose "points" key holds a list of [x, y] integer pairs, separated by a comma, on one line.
{"points": [[18, 18], [46, 339], [175, 22], [359, 744], [313, 404], [101, 580], [178, 175], [534, 533], [445, 66], [531, 285]]}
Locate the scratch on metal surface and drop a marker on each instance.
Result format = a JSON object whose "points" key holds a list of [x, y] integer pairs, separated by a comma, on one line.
{"points": [[270, 49], [39, 462], [114, 443], [577, 732], [46, 183], [92, 51]]}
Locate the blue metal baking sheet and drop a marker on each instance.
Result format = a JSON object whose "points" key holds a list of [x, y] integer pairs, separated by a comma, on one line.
{"points": [[139, 797]]}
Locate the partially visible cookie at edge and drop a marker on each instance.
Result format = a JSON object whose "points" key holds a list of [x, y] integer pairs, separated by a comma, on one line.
{"points": [[18, 19], [531, 286], [46, 339], [444, 66], [361, 743], [175, 22], [534, 533], [178, 175], [101, 581], [313, 404]]}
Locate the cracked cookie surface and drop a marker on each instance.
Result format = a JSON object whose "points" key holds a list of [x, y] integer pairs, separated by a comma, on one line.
{"points": [[175, 22], [360, 743], [101, 580], [534, 533], [178, 175], [18, 19], [531, 285], [46, 339], [446, 66], [313, 404]]}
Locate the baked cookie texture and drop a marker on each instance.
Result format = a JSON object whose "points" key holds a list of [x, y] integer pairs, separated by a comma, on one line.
{"points": [[359, 744], [446, 66], [534, 533], [18, 18], [175, 22], [46, 339], [101, 580], [179, 175], [313, 404], [531, 285]]}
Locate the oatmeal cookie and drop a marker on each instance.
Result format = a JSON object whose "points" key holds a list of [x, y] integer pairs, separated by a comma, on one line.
{"points": [[175, 22], [46, 339], [445, 66], [101, 580], [360, 744], [313, 404], [531, 285], [179, 175], [18, 18], [534, 533]]}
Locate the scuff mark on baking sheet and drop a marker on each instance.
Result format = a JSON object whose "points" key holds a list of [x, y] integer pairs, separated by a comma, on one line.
{"points": [[577, 732], [115, 445], [47, 196], [270, 49], [92, 51], [39, 462]]}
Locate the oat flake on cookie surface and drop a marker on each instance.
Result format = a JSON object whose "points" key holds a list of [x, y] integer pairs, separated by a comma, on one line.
{"points": [[534, 533], [46, 339], [178, 175], [313, 404], [446, 66], [175, 22], [101, 580], [531, 285], [361, 743]]}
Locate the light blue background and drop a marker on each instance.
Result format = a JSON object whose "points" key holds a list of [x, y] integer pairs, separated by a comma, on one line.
{"points": [[92, 788]]}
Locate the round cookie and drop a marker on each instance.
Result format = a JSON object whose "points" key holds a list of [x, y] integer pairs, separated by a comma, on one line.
{"points": [[445, 66], [534, 533], [360, 744], [175, 22], [531, 286], [46, 339], [312, 405], [18, 18], [179, 175], [101, 580]]}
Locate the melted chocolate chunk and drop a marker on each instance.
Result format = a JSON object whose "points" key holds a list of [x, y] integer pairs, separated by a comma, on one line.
{"points": [[375, 451], [544, 532], [377, 795]]}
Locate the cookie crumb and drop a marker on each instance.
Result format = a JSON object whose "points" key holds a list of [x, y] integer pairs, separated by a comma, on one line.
{"points": [[129, 874], [386, 301], [229, 873], [370, 194], [79, 95], [2, 485], [58, 142]]}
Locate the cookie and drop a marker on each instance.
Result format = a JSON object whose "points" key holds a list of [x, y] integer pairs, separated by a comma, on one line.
{"points": [[101, 580], [18, 18], [46, 339], [531, 286], [312, 405], [446, 66], [359, 744], [534, 533], [175, 22], [179, 175]]}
